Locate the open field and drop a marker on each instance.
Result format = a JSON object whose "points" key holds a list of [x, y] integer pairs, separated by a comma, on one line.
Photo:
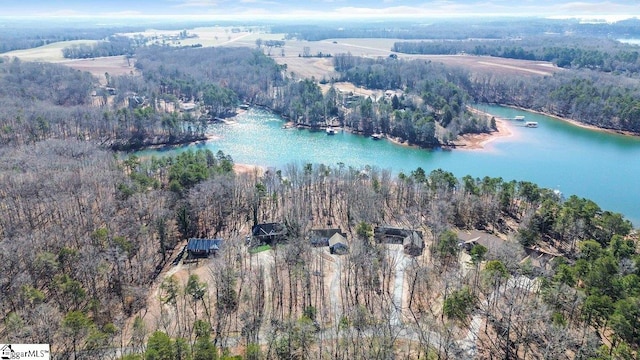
{"points": [[210, 36], [47, 53], [114, 65], [375, 48]]}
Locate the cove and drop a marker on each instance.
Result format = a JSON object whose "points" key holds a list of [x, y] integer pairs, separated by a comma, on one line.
{"points": [[596, 165]]}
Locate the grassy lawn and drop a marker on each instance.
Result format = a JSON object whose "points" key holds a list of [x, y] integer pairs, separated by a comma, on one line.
{"points": [[260, 248]]}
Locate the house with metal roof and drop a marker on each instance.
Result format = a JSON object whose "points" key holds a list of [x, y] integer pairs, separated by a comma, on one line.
{"points": [[202, 248]]}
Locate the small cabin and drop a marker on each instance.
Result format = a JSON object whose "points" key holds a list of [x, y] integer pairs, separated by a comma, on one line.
{"points": [[338, 244], [413, 244], [467, 245], [320, 237], [538, 260], [188, 106], [203, 248]]}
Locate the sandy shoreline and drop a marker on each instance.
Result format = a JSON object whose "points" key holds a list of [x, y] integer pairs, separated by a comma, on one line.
{"points": [[478, 141], [248, 169]]}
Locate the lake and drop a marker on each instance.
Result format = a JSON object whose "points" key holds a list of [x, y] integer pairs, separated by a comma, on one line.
{"points": [[592, 164]]}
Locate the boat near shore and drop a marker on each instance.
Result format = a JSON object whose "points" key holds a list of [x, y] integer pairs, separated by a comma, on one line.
{"points": [[531, 124], [330, 130], [377, 136]]}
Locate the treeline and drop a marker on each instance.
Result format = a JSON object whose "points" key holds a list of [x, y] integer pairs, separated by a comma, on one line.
{"points": [[86, 234], [564, 51], [113, 46], [269, 43], [462, 29]]}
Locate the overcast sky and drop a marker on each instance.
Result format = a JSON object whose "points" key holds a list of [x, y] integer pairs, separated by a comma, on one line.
{"points": [[321, 9]]}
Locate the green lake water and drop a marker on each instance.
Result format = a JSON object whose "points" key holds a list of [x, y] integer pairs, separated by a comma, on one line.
{"points": [[596, 165]]}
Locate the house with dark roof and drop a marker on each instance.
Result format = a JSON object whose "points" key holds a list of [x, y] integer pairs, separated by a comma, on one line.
{"points": [[202, 248], [268, 233], [393, 235], [539, 260]]}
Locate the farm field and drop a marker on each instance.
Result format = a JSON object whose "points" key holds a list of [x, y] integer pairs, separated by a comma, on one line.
{"points": [[289, 54], [114, 65], [47, 53]]}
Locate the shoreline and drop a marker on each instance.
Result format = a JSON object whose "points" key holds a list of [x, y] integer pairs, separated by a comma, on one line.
{"points": [[243, 169], [158, 145], [480, 141], [574, 122], [462, 142]]}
